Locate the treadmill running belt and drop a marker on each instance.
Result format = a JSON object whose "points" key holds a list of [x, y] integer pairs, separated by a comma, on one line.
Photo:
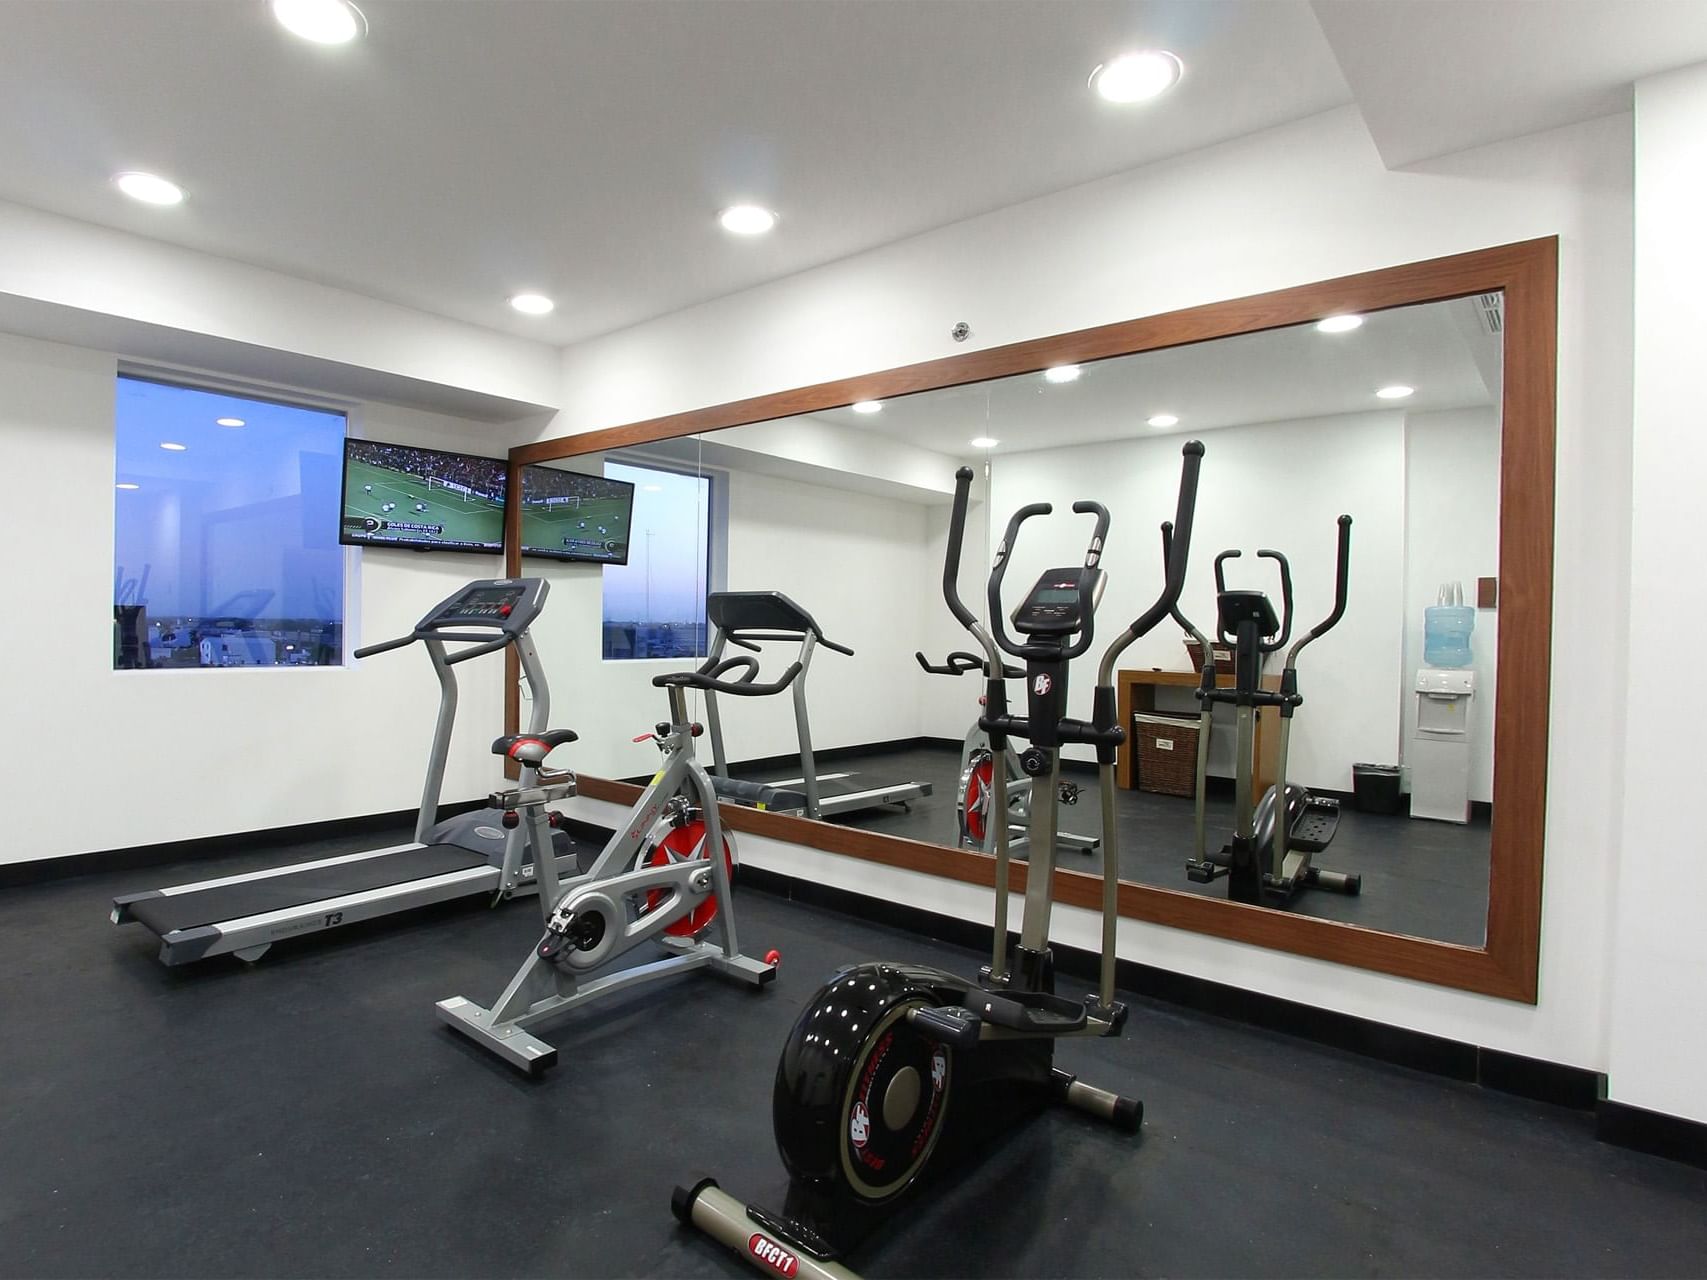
{"points": [[276, 893]]}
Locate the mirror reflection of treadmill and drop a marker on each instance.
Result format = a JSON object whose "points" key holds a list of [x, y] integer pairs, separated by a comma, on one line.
{"points": [[745, 620]]}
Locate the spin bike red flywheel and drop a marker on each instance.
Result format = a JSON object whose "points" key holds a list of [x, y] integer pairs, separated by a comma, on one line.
{"points": [[977, 798], [682, 844]]}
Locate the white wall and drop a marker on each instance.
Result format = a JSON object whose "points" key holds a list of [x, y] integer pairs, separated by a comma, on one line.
{"points": [[191, 753], [1281, 208], [1658, 1005], [1279, 485], [828, 548], [1452, 534]]}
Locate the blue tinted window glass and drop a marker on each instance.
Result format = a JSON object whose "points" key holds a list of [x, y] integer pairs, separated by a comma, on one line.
{"points": [[655, 604], [225, 531]]}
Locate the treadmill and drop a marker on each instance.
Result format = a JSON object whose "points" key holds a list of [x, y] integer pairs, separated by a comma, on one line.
{"points": [[465, 856], [746, 619]]}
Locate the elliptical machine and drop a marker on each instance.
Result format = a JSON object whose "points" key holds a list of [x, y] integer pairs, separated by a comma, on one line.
{"points": [[887, 1058], [974, 799], [1269, 859]]}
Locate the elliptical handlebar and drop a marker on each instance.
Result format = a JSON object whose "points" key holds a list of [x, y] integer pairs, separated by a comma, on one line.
{"points": [[951, 572], [1178, 614], [1285, 601], [1342, 583], [1177, 542], [1087, 582]]}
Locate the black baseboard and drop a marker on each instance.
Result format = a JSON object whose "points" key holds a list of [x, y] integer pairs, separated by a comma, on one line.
{"points": [[41, 870], [1549, 1082], [827, 755], [1652, 1132]]}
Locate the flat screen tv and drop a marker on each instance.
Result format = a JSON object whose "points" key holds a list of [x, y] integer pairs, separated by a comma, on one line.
{"points": [[398, 495], [570, 516]]}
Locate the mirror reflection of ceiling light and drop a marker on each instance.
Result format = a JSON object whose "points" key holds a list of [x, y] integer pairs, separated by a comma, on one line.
{"points": [[228, 422], [983, 442], [1062, 373], [172, 446], [321, 21], [1137, 77], [1339, 324], [1398, 391], [126, 484], [1164, 420], [868, 406], [533, 304], [149, 188]]}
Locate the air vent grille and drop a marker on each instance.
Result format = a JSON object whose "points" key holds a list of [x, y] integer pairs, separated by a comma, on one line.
{"points": [[1491, 307]]}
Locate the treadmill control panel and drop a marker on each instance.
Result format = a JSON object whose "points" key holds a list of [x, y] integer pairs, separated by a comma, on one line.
{"points": [[504, 604], [1051, 607]]}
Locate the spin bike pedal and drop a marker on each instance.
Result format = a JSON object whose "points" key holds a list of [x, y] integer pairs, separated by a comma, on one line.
{"points": [[1069, 793], [1203, 872]]}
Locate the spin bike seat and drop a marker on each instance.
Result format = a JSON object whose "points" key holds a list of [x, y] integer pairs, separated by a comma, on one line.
{"points": [[532, 748]]}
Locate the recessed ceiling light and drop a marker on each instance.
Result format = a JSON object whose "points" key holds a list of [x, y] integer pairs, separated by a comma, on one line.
{"points": [[1339, 324], [1137, 77], [1398, 391], [1062, 373], [322, 21], [126, 484], [149, 188], [983, 442], [868, 406], [747, 219], [229, 422], [533, 304], [1164, 420], [173, 446]]}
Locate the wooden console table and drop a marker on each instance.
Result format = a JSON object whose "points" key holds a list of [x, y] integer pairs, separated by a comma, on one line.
{"points": [[1135, 692]]}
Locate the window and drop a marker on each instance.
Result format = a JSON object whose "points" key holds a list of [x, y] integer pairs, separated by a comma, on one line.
{"points": [[225, 531], [655, 604]]}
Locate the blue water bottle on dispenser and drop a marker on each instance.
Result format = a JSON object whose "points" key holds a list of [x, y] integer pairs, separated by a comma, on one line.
{"points": [[1447, 627]]}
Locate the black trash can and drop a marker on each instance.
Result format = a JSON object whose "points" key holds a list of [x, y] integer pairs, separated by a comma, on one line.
{"points": [[1375, 787]]}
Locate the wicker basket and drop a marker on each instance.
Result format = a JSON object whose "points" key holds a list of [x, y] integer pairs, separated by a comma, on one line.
{"points": [[1167, 754], [1223, 656]]}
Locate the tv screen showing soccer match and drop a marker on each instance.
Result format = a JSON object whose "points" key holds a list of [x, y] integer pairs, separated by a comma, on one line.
{"points": [[396, 495], [570, 516]]}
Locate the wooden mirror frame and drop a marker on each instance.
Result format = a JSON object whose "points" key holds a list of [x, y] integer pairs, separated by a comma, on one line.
{"points": [[1506, 964]]}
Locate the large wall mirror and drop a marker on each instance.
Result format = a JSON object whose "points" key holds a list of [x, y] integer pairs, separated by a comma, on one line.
{"points": [[811, 528]]}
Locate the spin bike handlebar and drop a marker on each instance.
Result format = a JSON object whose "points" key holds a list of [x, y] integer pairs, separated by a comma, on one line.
{"points": [[1176, 543], [960, 663], [747, 685], [1093, 553]]}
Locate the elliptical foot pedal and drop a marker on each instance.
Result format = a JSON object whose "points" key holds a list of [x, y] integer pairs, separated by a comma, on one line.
{"points": [[1203, 872], [953, 1025], [1038, 1011], [1317, 822]]}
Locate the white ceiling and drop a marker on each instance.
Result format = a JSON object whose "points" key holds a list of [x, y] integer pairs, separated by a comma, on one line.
{"points": [[468, 149], [1437, 76], [1440, 348]]}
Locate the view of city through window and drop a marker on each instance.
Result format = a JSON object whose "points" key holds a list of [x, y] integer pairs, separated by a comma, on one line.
{"points": [[225, 531], [654, 606]]}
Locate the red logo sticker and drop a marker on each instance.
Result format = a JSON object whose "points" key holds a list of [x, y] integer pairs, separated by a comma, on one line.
{"points": [[773, 1255]]}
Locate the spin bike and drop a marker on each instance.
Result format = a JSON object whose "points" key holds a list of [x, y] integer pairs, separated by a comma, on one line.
{"points": [[664, 878], [973, 800], [887, 1058], [1269, 858]]}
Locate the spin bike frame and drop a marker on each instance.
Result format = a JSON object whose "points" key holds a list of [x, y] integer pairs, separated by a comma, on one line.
{"points": [[551, 981]]}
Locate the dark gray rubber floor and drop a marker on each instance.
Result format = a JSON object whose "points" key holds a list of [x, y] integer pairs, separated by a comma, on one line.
{"points": [[1426, 879], [310, 1117]]}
